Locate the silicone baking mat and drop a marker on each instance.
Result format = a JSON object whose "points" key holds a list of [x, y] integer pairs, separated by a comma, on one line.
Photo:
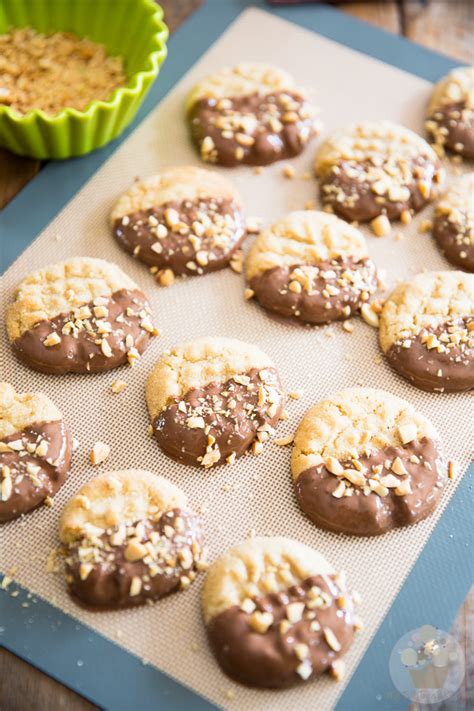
{"points": [[114, 658]]}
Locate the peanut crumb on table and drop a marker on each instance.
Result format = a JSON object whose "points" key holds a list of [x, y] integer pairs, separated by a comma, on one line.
{"points": [[99, 453]]}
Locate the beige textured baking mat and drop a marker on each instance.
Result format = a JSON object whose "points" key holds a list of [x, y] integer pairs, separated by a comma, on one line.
{"points": [[255, 494]]}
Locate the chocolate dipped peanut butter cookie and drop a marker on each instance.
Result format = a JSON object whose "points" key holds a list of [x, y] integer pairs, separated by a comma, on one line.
{"points": [[427, 331], [312, 267], [35, 451], [83, 315], [250, 114], [129, 538], [277, 614], [377, 168], [453, 227], [182, 221], [212, 399], [365, 461], [450, 120]]}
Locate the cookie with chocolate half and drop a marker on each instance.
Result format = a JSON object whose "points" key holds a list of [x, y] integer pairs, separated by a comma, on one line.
{"points": [[250, 114], [277, 614], [450, 121], [365, 462], [128, 538], [182, 221], [311, 266], [377, 168], [35, 451], [453, 227], [211, 399], [79, 316], [427, 331]]}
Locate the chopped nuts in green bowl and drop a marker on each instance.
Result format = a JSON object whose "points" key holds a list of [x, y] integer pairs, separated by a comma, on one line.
{"points": [[95, 62]]}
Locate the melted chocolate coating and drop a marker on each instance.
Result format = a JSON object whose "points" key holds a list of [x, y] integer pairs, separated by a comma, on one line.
{"points": [[233, 428], [109, 582], [34, 476], [455, 242], [371, 514], [81, 352], [272, 136], [360, 203], [449, 371], [269, 660], [272, 290], [458, 128], [138, 232]]}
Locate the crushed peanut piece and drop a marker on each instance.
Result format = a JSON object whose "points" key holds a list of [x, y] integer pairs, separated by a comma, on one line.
{"points": [[381, 226], [261, 621], [118, 386], [99, 453], [52, 339], [165, 277], [304, 670], [283, 441], [248, 606], [135, 586], [301, 651], [425, 226], [340, 490], [52, 563], [237, 261], [398, 467], [294, 611], [453, 469], [231, 458], [369, 315], [404, 488], [337, 669], [331, 639], [334, 466], [407, 433], [253, 225]]}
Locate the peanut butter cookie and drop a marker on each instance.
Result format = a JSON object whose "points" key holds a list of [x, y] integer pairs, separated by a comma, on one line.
{"points": [[377, 168], [128, 538], [80, 316], [276, 613], [427, 331], [250, 114], [365, 462], [35, 451], [453, 227], [182, 221], [450, 121], [311, 266], [212, 399]]}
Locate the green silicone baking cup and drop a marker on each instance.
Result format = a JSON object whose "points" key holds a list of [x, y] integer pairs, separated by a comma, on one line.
{"points": [[132, 29]]}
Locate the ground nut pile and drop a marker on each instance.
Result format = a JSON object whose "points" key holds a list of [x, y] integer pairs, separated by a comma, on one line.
{"points": [[52, 72]]}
